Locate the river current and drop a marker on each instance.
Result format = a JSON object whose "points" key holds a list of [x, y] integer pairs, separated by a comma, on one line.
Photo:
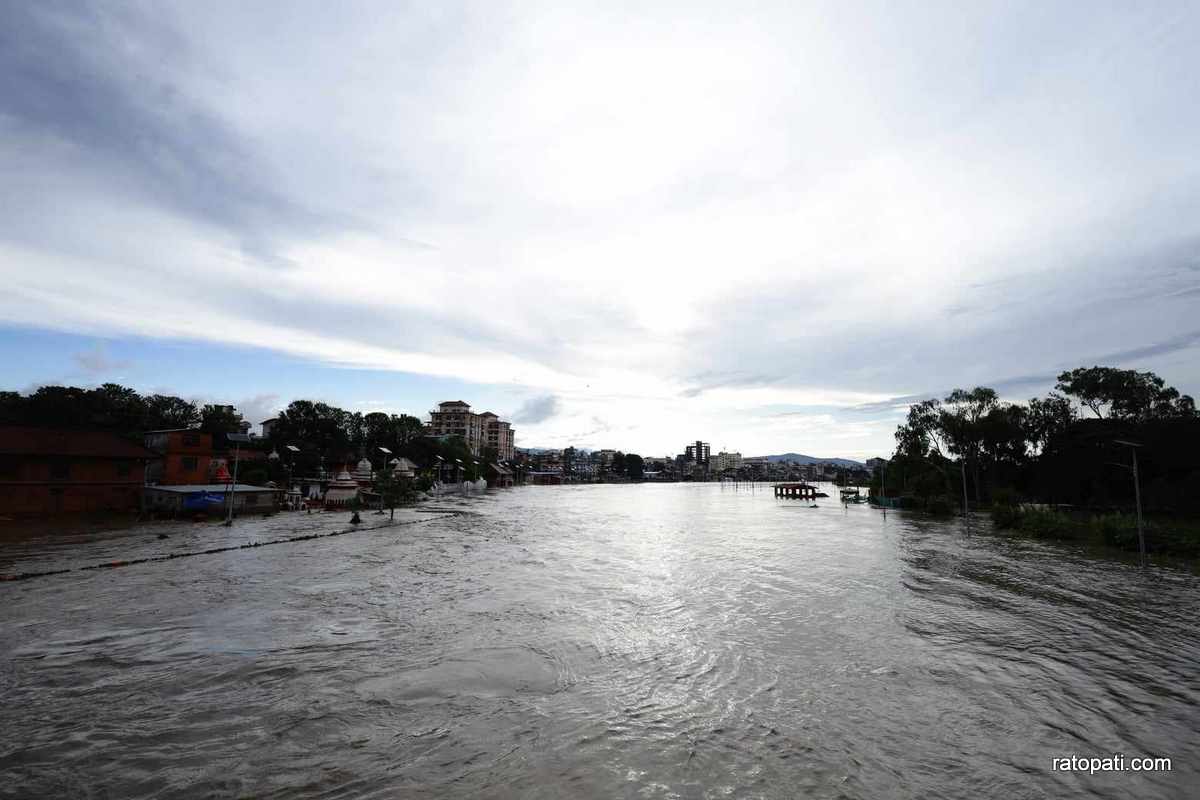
{"points": [[657, 641]]}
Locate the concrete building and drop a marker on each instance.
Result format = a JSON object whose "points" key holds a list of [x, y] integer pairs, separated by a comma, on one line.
{"points": [[698, 453], [51, 471], [873, 464], [455, 418], [497, 434], [723, 461]]}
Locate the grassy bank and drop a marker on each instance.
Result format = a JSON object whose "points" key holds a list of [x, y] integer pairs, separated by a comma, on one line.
{"points": [[1168, 536]]}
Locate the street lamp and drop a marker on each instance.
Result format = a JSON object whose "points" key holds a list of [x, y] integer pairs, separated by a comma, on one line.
{"points": [[1137, 495], [238, 440], [382, 470]]}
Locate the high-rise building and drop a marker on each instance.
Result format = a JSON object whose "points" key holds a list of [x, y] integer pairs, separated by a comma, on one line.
{"points": [[497, 434], [723, 461], [697, 453], [455, 418]]}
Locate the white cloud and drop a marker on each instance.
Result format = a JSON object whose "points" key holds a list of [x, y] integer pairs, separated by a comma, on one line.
{"points": [[676, 221]]}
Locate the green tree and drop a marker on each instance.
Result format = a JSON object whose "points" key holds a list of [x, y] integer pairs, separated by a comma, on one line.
{"points": [[961, 424], [393, 490], [12, 408], [920, 436], [118, 408], [1047, 419], [635, 466], [316, 426], [1125, 394], [218, 419], [167, 411]]}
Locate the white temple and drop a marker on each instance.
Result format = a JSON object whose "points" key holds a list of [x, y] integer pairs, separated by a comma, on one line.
{"points": [[342, 489], [362, 473]]}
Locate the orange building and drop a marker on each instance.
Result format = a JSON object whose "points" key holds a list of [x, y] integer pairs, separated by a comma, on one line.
{"points": [[184, 457], [52, 471]]}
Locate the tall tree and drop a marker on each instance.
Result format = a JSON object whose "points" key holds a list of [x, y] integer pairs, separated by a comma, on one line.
{"points": [[1125, 394], [635, 466], [960, 422], [218, 419], [1047, 419], [167, 411]]}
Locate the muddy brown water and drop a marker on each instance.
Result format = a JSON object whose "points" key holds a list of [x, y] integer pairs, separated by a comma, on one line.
{"points": [[597, 641]]}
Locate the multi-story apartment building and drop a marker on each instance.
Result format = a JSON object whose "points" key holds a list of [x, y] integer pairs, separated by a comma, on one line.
{"points": [[185, 456], [455, 418], [497, 434], [697, 453], [723, 461]]}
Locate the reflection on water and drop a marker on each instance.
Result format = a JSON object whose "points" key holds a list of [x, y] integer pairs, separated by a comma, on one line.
{"points": [[599, 641]]}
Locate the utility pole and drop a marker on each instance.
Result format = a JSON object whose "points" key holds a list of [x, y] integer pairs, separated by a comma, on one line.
{"points": [[1137, 496]]}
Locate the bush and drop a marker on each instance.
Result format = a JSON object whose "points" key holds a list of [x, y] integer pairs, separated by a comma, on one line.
{"points": [[940, 506], [1118, 530], [1045, 524], [1006, 516], [1005, 498]]}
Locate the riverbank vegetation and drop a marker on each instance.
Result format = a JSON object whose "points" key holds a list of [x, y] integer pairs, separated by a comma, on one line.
{"points": [[1061, 465], [324, 436], [1165, 534]]}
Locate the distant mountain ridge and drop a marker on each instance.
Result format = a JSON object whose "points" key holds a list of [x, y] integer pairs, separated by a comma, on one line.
{"points": [[800, 458]]}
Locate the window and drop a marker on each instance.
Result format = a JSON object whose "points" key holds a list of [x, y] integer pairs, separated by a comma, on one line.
{"points": [[191, 440], [60, 469], [10, 468], [124, 469], [188, 463]]}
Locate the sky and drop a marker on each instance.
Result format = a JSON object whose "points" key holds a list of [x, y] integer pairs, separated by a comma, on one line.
{"points": [[770, 226]]}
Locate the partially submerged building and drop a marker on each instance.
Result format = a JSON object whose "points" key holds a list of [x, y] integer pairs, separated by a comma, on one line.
{"points": [[211, 498], [52, 471]]}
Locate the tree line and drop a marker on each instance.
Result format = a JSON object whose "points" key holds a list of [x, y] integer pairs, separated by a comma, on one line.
{"points": [[115, 408], [324, 435], [1061, 448]]}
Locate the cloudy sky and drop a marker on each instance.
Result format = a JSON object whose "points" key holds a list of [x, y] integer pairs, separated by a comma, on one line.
{"points": [[630, 225]]}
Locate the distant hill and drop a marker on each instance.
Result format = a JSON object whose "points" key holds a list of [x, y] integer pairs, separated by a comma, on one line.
{"points": [[800, 458]]}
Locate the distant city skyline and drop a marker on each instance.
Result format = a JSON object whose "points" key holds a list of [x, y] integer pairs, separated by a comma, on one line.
{"points": [[771, 229]]}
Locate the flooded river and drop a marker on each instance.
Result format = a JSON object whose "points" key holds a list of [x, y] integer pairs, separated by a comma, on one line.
{"points": [[597, 641]]}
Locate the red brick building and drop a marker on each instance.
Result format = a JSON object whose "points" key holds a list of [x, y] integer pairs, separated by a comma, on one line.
{"points": [[182, 457], [53, 471]]}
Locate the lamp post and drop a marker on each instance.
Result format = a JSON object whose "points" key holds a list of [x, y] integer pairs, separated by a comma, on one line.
{"points": [[292, 449], [274, 459], [1137, 496], [383, 469], [238, 439]]}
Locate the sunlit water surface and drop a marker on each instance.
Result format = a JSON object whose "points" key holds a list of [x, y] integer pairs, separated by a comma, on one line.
{"points": [[600, 641]]}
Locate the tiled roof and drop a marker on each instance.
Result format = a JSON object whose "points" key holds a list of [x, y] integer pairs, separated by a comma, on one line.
{"points": [[20, 440]]}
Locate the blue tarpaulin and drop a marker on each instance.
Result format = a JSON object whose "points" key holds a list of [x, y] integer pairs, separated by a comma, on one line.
{"points": [[203, 501]]}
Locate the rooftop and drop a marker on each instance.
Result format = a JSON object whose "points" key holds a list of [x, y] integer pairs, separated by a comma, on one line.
{"points": [[28, 441], [211, 487]]}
